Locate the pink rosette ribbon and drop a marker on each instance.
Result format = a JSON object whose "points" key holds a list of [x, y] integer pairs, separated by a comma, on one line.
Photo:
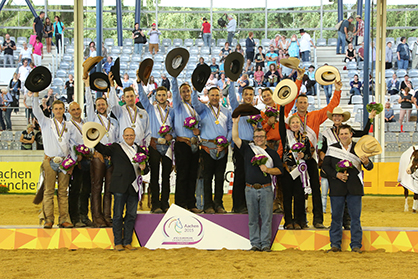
{"points": [[303, 167]]}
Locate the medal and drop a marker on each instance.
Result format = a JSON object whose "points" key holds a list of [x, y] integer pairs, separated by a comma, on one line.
{"points": [[133, 126], [60, 139], [217, 122], [133, 118], [161, 111], [215, 114]]}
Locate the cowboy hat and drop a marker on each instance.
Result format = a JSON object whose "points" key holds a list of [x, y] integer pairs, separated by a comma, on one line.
{"points": [[38, 79], [340, 111], [368, 146], [176, 60], [145, 69], [327, 75], [244, 110], [285, 92], [233, 65], [93, 132], [115, 69], [200, 76], [291, 62], [99, 82], [89, 64]]}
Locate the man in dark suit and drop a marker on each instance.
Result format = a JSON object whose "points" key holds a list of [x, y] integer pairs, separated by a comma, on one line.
{"points": [[345, 186], [124, 186]]}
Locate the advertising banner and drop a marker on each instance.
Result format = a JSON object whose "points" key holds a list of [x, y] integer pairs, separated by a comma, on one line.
{"points": [[20, 177]]}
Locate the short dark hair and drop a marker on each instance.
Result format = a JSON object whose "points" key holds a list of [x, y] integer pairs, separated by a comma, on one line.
{"points": [[185, 84], [248, 88], [345, 126], [101, 98], [41, 13], [260, 47], [266, 89], [213, 88], [301, 96], [128, 89], [260, 130], [58, 102], [161, 88], [136, 23]]}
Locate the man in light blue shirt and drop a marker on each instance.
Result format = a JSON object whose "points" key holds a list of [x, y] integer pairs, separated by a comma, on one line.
{"points": [[216, 121], [231, 28], [107, 65], [271, 57], [186, 148], [161, 148]]}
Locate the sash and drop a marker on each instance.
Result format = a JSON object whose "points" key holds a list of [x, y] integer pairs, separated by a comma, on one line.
{"points": [[302, 168], [130, 152], [330, 136], [343, 154], [258, 150]]}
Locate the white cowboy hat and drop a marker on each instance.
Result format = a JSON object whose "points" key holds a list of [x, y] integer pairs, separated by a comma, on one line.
{"points": [[327, 75], [285, 92], [368, 146], [340, 111], [92, 133]]}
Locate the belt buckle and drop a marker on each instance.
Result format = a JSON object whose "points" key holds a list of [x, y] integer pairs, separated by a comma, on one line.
{"points": [[193, 140], [161, 141], [57, 160], [257, 186]]}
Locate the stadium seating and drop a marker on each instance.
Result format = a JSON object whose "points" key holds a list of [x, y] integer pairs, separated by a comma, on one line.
{"points": [[321, 42], [404, 147], [392, 147], [390, 137], [394, 127], [409, 127], [404, 138]]}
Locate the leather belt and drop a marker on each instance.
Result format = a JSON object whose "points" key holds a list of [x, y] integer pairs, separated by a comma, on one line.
{"points": [[188, 141], [205, 140], [257, 185]]}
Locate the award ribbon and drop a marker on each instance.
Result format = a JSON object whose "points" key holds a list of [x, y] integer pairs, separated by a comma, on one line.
{"points": [[215, 114], [103, 124], [160, 110], [133, 120], [60, 133], [76, 125]]}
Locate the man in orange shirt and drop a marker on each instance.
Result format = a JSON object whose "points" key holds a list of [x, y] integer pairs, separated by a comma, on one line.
{"points": [[273, 135], [310, 125]]}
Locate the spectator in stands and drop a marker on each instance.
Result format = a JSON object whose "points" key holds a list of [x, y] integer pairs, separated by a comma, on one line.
{"points": [[139, 39], [388, 56], [15, 85], [343, 35], [32, 66], [27, 102], [249, 51], [260, 57], [242, 83], [126, 82], [44, 107], [150, 89], [58, 31], [207, 35], [351, 33], [8, 47], [24, 71], [212, 82], [154, 39], [38, 139], [276, 41], [280, 56], [389, 114], [259, 76], [231, 28], [50, 98], [311, 88], [285, 72], [272, 76], [38, 26], [350, 54], [225, 51], [69, 86], [201, 62], [405, 82], [239, 49], [38, 52], [204, 98], [25, 53], [402, 52], [7, 101], [27, 138], [393, 85], [293, 50], [2, 114], [406, 100], [355, 85], [89, 49], [360, 30], [371, 85], [48, 30], [214, 68], [361, 52], [166, 83], [271, 57], [107, 65], [222, 82], [284, 44], [414, 50], [305, 45]]}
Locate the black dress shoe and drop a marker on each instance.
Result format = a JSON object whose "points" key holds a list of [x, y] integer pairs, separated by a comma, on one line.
{"points": [[319, 226]]}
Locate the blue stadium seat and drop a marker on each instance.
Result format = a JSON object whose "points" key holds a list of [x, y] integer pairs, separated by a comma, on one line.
{"points": [[392, 147], [389, 73], [404, 147], [413, 73], [6, 136], [199, 42], [394, 127], [409, 127], [321, 42], [177, 42], [404, 138], [415, 138], [166, 42], [15, 146], [390, 137], [357, 100], [128, 42], [17, 136], [188, 42], [4, 146], [265, 42], [401, 73], [332, 41]]}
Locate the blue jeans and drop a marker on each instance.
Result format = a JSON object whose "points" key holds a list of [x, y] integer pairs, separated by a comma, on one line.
{"points": [[306, 55], [328, 92], [324, 193], [355, 91], [2, 124], [403, 64], [260, 205], [7, 115], [138, 48], [8, 60], [230, 37], [207, 39], [124, 223], [341, 42], [271, 84], [200, 195], [354, 209]]}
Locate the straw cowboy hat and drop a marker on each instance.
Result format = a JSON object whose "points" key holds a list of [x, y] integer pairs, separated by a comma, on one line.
{"points": [[176, 60], [99, 82], [38, 79], [292, 62], [244, 110], [327, 75], [368, 146], [90, 63], [200, 76], [340, 111], [115, 69], [92, 133], [234, 63], [285, 92], [145, 69]]}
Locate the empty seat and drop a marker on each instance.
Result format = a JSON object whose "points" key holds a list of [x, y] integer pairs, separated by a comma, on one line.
{"points": [[15, 146], [413, 73], [311, 100], [242, 42], [6, 136], [188, 42], [409, 127], [127, 50], [414, 81], [4, 146], [177, 42], [411, 40], [123, 65], [58, 82], [21, 40], [332, 41], [67, 58], [17, 136], [265, 42], [204, 51], [125, 58], [351, 66], [415, 138], [392, 147], [194, 51], [390, 137], [61, 74], [401, 73], [221, 42], [133, 66], [404, 138], [394, 127], [394, 98], [115, 50], [136, 58], [166, 42], [357, 109], [109, 42], [404, 147], [70, 50], [159, 58], [157, 67], [352, 73], [86, 41], [357, 100], [389, 73], [199, 42], [321, 42], [390, 39]]}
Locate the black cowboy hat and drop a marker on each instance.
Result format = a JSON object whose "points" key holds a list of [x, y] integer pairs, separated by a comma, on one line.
{"points": [[176, 60], [99, 82], [90, 63], [38, 79], [115, 69], [244, 110], [200, 76], [145, 69], [233, 65]]}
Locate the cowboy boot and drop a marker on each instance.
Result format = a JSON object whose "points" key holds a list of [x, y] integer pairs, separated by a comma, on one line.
{"points": [[107, 199]]}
